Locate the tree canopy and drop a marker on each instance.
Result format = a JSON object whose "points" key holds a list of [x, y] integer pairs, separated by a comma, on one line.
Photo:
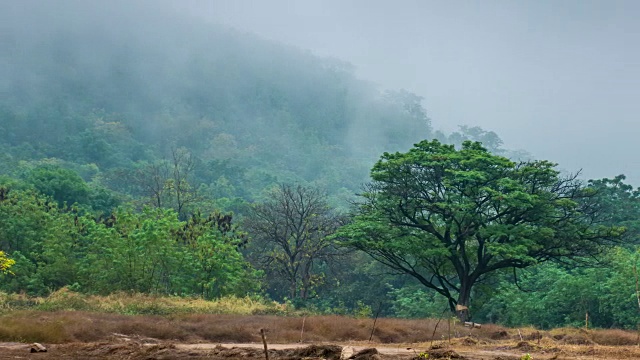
{"points": [[450, 218]]}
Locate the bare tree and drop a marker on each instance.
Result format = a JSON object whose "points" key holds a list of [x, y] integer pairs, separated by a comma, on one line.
{"points": [[151, 179], [181, 171], [291, 232], [166, 183]]}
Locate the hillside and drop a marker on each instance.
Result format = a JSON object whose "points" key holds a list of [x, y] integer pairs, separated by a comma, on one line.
{"points": [[251, 112]]}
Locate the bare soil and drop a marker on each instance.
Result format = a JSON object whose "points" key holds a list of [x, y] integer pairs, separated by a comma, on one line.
{"points": [[122, 347]]}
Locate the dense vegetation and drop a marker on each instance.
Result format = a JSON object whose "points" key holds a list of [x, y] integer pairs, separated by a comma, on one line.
{"points": [[199, 161]]}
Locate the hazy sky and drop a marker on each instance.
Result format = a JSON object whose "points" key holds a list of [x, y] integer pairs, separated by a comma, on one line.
{"points": [[560, 79]]}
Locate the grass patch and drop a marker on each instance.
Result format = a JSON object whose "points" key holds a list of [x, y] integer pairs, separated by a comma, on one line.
{"points": [[89, 326], [33, 327], [614, 337], [140, 304], [83, 326]]}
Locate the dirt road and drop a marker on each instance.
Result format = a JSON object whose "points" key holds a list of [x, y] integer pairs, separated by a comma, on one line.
{"points": [[129, 349]]}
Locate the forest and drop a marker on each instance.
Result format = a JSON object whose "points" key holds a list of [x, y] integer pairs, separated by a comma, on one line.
{"points": [[223, 164]]}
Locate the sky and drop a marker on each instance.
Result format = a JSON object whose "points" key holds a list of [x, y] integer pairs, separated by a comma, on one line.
{"points": [[560, 79]]}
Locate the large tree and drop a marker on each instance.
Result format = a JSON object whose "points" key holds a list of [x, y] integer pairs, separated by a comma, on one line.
{"points": [[291, 232], [450, 217]]}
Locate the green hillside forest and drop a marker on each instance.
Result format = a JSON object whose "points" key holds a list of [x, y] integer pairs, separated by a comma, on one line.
{"points": [[200, 161]]}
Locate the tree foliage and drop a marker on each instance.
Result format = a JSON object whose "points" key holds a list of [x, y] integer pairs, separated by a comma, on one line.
{"points": [[5, 262], [619, 204], [149, 251], [450, 218], [65, 186]]}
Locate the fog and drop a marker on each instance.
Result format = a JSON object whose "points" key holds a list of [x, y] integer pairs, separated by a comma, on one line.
{"points": [[559, 79]]}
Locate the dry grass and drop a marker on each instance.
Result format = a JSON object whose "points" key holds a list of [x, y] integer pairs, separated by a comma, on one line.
{"points": [[33, 327], [574, 336], [614, 337], [140, 304], [67, 316], [69, 326], [81, 317]]}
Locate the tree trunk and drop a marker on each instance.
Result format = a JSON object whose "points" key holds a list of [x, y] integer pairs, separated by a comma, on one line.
{"points": [[464, 297], [293, 287]]}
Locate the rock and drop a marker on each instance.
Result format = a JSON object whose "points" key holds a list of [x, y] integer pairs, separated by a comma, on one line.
{"points": [[37, 347], [365, 354], [329, 352], [444, 354], [347, 351]]}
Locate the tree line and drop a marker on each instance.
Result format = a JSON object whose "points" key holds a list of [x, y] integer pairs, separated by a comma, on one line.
{"points": [[439, 225]]}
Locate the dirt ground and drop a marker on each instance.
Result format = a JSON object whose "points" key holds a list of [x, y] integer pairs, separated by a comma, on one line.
{"points": [[94, 335], [122, 347]]}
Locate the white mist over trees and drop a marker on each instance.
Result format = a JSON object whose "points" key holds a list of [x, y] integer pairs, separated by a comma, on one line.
{"points": [[115, 87]]}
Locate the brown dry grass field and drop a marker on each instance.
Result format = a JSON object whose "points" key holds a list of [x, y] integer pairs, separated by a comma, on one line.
{"points": [[92, 335], [138, 326]]}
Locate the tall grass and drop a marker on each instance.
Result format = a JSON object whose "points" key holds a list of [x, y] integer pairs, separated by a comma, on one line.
{"points": [[81, 326], [67, 316], [140, 304]]}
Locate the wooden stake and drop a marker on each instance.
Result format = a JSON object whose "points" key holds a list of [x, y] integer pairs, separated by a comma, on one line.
{"points": [[264, 341], [436, 328], [586, 321]]}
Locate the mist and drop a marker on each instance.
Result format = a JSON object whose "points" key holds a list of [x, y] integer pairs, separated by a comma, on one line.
{"points": [[556, 80], [118, 87]]}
